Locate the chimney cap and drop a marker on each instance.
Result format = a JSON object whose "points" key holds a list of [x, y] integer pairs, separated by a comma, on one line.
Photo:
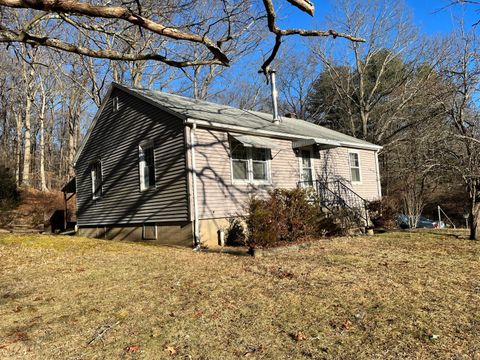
{"points": [[291, 115]]}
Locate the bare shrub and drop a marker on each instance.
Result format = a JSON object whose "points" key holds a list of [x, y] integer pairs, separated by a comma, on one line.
{"points": [[287, 216], [383, 213], [235, 232]]}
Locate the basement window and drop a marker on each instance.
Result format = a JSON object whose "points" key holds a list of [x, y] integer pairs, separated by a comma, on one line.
{"points": [[146, 166], [149, 232], [96, 177]]}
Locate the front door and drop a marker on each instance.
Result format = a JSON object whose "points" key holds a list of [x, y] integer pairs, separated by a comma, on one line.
{"points": [[306, 171]]}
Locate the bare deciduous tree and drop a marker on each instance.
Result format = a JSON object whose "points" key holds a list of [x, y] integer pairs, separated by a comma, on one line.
{"points": [[462, 151], [169, 21], [374, 81]]}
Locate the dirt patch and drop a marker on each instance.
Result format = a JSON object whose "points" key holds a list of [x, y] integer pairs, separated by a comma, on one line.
{"points": [[35, 208]]}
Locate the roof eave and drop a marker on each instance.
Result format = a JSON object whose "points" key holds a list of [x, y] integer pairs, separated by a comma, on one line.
{"points": [[150, 101], [278, 135]]}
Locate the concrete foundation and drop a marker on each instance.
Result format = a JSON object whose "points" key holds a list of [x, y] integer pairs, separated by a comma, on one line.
{"points": [[167, 234], [180, 234], [209, 230]]}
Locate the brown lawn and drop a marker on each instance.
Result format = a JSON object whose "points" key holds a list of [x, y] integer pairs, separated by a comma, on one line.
{"points": [[393, 296]]}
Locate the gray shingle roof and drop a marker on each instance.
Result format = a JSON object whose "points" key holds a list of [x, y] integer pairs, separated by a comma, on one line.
{"points": [[253, 121]]}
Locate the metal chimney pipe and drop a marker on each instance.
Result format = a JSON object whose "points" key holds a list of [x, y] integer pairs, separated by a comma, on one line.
{"points": [[276, 118]]}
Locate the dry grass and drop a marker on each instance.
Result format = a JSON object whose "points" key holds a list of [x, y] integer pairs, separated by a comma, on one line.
{"points": [[399, 295]]}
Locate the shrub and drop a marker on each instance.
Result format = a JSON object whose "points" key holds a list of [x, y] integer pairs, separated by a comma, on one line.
{"points": [[235, 232], [285, 216], [265, 228], [9, 195], [383, 213]]}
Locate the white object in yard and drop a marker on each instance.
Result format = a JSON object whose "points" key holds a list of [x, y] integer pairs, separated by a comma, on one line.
{"points": [[221, 237]]}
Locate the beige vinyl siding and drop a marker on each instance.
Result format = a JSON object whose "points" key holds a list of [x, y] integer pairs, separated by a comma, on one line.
{"points": [[219, 197], [334, 164]]}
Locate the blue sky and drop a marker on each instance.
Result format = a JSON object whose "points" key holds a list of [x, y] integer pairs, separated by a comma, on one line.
{"points": [[432, 20], [429, 15]]}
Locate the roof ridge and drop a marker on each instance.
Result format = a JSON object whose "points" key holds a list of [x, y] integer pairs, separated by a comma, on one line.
{"points": [[213, 112]]}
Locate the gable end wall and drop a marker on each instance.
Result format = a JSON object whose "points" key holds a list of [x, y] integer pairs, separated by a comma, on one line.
{"points": [[115, 140]]}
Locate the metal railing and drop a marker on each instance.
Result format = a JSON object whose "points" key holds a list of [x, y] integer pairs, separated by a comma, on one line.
{"points": [[336, 194]]}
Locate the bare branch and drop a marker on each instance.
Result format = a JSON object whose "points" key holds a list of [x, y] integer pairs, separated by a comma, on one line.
{"points": [[116, 12], [10, 36], [272, 26], [303, 5]]}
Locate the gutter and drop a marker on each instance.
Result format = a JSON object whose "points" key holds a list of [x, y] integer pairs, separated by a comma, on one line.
{"points": [[196, 223], [279, 135]]}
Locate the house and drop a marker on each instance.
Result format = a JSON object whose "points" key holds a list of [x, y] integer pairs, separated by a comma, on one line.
{"points": [[172, 169]]}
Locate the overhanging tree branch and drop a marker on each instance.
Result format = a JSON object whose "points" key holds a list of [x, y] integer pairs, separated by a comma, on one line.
{"points": [[10, 36], [136, 15], [279, 33], [116, 12]]}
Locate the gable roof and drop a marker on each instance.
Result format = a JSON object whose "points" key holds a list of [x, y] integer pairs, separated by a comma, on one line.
{"points": [[213, 115], [208, 114]]}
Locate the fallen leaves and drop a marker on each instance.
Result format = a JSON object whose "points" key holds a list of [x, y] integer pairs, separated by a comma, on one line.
{"points": [[198, 314], [171, 350], [132, 348], [253, 351], [17, 337], [299, 336], [347, 325]]}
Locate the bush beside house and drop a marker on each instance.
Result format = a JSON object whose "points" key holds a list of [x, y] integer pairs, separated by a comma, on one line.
{"points": [[287, 216]]}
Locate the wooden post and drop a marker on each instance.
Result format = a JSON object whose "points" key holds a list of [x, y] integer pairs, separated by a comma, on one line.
{"points": [[439, 216]]}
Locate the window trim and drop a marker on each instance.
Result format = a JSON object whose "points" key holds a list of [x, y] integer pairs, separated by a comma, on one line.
{"points": [[359, 167], [92, 181], [141, 148], [143, 231], [249, 160], [312, 164]]}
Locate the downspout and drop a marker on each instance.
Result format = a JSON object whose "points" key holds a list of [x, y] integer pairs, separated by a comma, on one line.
{"points": [[377, 170], [196, 224]]}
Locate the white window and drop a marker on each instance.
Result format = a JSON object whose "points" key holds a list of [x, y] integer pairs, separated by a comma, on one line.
{"points": [[146, 166], [260, 164], [115, 105], [249, 164], [306, 168], [96, 176], [355, 173]]}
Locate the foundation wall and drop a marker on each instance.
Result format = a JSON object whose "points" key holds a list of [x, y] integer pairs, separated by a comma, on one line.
{"points": [[209, 230], [172, 234]]}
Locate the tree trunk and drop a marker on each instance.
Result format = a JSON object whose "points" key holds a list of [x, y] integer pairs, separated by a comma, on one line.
{"points": [[474, 220], [43, 180], [73, 132], [364, 116], [18, 148], [27, 144], [41, 119]]}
